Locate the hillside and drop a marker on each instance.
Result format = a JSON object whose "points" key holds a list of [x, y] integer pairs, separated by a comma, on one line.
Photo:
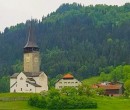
{"points": [[75, 38]]}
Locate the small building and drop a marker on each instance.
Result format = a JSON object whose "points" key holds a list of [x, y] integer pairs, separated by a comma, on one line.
{"points": [[68, 80], [110, 89], [31, 79]]}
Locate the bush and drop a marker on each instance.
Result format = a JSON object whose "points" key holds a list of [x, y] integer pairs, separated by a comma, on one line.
{"points": [[127, 88], [63, 102], [42, 103], [33, 101], [38, 101]]}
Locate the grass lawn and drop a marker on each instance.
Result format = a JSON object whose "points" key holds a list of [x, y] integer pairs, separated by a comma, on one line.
{"points": [[16, 105], [92, 80], [9, 95], [104, 103], [113, 103]]}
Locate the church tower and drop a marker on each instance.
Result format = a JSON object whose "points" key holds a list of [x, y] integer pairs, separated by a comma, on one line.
{"points": [[31, 80], [31, 54]]}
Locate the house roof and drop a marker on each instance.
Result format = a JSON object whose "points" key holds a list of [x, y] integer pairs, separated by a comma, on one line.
{"points": [[108, 86], [15, 75], [34, 84], [68, 76]]}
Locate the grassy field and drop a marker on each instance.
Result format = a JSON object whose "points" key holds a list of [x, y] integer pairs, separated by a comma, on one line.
{"points": [[11, 95], [104, 103], [91, 80], [113, 103], [16, 105]]}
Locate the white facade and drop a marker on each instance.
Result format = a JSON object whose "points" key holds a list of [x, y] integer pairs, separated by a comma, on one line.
{"points": [[23, 83], [67, 83]]}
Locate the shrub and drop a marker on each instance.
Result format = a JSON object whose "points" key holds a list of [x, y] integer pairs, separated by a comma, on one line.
{"points": [[33, 101], [63, 102]]}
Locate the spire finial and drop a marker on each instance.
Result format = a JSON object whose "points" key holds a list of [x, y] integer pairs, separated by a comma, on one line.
{"points": [[31, 38]]}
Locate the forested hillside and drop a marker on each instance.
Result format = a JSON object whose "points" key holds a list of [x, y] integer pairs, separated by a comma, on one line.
{"points": [[75, 38]]}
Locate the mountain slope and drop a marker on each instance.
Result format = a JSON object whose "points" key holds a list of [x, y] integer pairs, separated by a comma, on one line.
{"points": [[76, 39]]}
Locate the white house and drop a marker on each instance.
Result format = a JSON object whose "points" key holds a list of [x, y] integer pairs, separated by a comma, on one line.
{"points": [[68, 80], [31, 79]]}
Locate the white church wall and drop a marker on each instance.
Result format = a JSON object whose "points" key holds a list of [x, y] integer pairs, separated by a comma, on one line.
{"points": [[23, 86], [38, 89], [30, 88], [43, 79], [12, 81], [13, 85], [21, 82]]}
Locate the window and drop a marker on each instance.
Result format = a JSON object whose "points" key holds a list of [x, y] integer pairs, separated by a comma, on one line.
{"points": [[27, 85], [65, 82], [21, 78], [76, 82], [72, 82], [30, 89], [21, 89], [68, 82], [60, 82]]}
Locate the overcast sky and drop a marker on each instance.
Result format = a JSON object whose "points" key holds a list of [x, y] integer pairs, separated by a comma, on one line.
{"points": [[17, 11]]}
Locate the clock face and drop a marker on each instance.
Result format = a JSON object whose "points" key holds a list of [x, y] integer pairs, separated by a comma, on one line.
{"points": [[27, 59]]}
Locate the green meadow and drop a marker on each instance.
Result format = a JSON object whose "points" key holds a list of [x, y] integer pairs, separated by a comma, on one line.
{"points": [[104, 103]]}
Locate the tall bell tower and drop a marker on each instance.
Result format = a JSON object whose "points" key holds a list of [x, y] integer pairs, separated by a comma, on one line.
{"points": [[31, 53]]}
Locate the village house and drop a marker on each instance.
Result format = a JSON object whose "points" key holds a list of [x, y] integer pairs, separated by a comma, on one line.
{"points": [[31, 79], [67, 80], [110, 89]]}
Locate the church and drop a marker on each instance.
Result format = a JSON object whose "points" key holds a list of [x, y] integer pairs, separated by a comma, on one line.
{"points": [[31, 79]]}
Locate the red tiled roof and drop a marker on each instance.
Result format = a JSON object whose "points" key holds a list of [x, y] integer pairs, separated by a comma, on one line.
{"points": [[108, 86], [68, 76]]}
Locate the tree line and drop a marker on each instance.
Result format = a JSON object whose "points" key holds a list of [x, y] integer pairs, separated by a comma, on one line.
{"points": [[74, 38]]}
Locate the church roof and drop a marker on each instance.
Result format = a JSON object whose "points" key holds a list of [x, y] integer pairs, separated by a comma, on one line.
{"points": [[15, 75], [32, 74], [31, 79], [28, 74], [13, 84], [34, 84], [31, 38]]}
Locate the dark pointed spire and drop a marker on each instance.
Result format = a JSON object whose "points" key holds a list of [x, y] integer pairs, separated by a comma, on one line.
{"points": [[31, 43], [31, 39]]}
